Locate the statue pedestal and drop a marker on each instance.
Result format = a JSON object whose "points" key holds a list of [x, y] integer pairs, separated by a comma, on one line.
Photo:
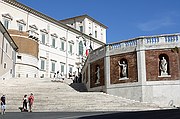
{"points": [[124, 78], [164, 73], [97, 83]]}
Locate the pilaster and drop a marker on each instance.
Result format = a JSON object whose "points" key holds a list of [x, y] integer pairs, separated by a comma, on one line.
{"points": [[141, 65], [107, 69]]}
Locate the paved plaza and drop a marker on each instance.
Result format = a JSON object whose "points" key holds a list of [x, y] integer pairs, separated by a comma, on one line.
{"points": [[154, 114]]}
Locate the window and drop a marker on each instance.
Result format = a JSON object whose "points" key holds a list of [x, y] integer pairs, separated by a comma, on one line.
{"points": [[6, 23], [11, 71], [43, 38], [62, 68], [6, 47], [80, 48], [70, 69], [42, 64], [53, 43], [5, 65], [19, 57], [89, 30], [33, 32], [21, 23], [95, 34], [62, 45], [81, 28], [53, 66], [20, 27], [101, 35], [6, 20], [70, 48]]}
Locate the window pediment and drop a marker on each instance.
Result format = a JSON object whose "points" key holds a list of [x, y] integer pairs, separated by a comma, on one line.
{"points": [[54, 35], [33, 27], [21, 21], [44, 30], [71, 41], [63, 38], [8, 16]]}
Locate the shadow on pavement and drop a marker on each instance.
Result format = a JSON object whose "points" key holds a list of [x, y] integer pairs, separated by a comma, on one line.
{"points": [[156, 114]]}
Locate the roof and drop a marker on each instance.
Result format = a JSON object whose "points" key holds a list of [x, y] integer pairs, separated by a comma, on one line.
{"points": [[7, 36], [85, 16]]}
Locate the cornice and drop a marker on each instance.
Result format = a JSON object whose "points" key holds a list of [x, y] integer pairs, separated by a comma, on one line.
{"points": [[85, 16]]}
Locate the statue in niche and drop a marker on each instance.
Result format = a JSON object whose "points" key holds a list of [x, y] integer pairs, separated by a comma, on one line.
{"points": [[97, 75], [123, 69], [163, 66]]}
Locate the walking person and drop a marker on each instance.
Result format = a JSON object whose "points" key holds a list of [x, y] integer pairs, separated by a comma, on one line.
{"points": [[31, 101], [25, 101], [3, 105]]}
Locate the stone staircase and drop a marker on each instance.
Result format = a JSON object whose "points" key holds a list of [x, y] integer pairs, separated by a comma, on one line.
{"points": [[58, 96]]}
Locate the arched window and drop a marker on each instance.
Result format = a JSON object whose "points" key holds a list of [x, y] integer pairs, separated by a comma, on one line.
{"points": [[80, 48], [164, 65]]}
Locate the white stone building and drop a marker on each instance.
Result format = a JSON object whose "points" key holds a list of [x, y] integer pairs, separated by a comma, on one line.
{"points": [[87, 25], [7, 54], [47, 46]]}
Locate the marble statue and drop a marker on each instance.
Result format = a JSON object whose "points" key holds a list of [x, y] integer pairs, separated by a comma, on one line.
{"points": [[163, 66], [123, 69], [98, 75]]}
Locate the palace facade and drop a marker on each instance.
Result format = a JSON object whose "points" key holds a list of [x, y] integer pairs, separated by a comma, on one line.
{"points": [[47, 46]]}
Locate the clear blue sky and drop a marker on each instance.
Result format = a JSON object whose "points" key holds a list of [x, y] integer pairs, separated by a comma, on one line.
{"points": [[125, 18]]}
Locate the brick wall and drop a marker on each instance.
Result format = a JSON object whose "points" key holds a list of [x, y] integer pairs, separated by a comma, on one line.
{"points": [[153, 63], [25, 45], [93, 76], [132, 68]]}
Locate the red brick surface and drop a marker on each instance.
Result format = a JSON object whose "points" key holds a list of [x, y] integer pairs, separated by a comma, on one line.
{"points": [[93, 77], [132, 68], [153, 62]]}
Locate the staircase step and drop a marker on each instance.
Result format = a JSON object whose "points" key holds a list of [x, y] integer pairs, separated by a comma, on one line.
{"points": [[62, 96]]}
